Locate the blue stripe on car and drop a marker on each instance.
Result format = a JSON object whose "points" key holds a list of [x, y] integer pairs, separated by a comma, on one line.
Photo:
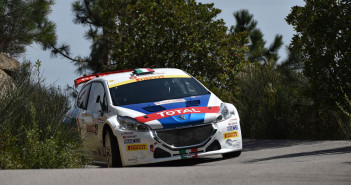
{"points": [[174, 121]]}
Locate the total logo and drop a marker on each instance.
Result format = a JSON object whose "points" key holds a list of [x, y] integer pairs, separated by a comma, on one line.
{"points": [[177, 112]]}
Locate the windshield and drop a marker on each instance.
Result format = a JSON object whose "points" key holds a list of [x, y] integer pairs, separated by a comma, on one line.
{"points": [[156, 90]]}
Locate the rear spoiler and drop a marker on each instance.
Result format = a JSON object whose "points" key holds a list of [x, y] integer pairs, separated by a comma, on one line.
{"points": [[92, 76]]}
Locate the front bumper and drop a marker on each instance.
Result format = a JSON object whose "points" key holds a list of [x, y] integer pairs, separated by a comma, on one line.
{"points": [[147, 147]]}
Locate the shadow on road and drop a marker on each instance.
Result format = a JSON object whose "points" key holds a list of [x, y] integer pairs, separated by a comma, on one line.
{"points": [[334, 151], [184, 162], [177, 163], [258, 144]]}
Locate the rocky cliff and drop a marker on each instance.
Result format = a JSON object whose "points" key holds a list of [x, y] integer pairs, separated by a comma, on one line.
{"points": [[8, 68]]}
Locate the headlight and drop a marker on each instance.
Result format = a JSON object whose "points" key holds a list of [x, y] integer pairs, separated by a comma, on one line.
{"points": [[130, 124], [223, 114]]}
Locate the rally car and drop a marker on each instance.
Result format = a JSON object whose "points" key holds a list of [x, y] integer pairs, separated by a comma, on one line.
{"points": [[143, 116]]}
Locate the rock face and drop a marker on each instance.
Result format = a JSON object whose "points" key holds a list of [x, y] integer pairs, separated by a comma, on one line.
{"points": [[8, 68], [8, 63]]}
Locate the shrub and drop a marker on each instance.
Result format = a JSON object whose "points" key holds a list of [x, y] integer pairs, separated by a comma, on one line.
{"points": [[31, 133], [273, 103]]}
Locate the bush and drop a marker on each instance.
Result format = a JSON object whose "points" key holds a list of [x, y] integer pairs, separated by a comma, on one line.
{"points": [[31, 131], [273, 103]]}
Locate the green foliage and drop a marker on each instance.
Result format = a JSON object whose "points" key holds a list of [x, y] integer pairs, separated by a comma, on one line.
{"points": [[23, 22], [181, 34], [265, 102], [272, 104], [31, 133], [343, 117], [257, 50], [323, 39]]}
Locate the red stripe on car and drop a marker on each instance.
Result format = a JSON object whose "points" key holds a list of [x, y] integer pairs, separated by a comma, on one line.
{"points": [[175, 112]]}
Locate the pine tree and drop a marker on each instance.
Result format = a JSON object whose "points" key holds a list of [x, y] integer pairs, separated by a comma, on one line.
{"points": [[23, 22], [257, 50]]}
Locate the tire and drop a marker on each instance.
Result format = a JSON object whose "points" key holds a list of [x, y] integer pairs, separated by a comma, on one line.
{"points": [[231, 154], [112, 153]]}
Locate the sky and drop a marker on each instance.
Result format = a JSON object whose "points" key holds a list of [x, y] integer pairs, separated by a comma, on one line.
{"points": [[58, 71]]}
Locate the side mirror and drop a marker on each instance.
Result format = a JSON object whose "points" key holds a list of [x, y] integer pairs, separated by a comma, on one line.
{"points": [[103, 105]]}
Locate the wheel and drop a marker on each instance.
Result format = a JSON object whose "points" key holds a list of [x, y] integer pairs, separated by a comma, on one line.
{"points": [[231, 154], [113, 157]]}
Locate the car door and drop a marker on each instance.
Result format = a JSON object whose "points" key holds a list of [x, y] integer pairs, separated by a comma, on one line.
{"points": [[82, 104], [94, 117]]}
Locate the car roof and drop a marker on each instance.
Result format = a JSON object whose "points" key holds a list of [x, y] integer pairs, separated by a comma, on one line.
{"points": [[117, 78]]}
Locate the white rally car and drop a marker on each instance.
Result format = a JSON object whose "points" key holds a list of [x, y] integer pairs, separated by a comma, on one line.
{"points": [[142, 116]]}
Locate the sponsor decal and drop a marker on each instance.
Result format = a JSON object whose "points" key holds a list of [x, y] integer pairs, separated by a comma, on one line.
{"points": [[170, 101], [91, 129], [130, 141], [144, 75], [176, 112], [150, 78], [152, 148], [136, 147], [233, 143], [192, 154], [132, 79], [235, 123], [133, 160], [230, 135], [129, 137], [186, 156], [232, 128], [236, 145], [233, 120]]}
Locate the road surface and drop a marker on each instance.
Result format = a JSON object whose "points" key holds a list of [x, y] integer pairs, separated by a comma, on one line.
{"points": [[262, 162]]}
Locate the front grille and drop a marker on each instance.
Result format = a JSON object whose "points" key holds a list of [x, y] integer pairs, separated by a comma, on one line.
{"points": [[186, 136]]}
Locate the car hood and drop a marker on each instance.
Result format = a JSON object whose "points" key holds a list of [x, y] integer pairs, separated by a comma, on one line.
{"points": [[173, 113]]}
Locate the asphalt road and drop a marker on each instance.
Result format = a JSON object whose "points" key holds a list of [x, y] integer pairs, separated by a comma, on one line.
{"points": [[262, 162]]}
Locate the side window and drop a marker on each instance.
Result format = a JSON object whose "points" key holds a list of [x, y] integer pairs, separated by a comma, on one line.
{"points": [[97, 97], [82, 100]]}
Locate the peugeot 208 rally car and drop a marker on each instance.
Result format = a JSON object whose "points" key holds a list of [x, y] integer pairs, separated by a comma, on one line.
{"points": [[142, 116]]}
